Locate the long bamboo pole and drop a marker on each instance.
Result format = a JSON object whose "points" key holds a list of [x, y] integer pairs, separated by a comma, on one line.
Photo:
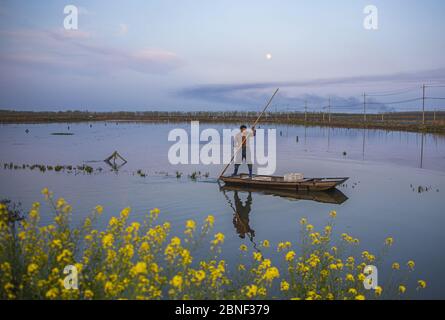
{"points": [[254, 124]]}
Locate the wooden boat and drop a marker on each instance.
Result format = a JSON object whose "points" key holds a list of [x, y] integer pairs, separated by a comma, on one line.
{"points": [[333, 196], [278, 182]]}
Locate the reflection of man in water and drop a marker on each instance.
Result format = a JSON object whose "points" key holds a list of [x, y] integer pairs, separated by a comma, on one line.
{"points": [[241, 216]]}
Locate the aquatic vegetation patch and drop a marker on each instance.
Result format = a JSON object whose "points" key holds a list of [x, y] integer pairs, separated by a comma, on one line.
{"points": [[73, 169], [144, 260], [422, 189], [141, 173], [195, 175], [57, 168]]}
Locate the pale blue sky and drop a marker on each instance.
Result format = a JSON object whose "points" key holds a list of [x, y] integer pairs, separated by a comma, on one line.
{"points": [[201, 54]]}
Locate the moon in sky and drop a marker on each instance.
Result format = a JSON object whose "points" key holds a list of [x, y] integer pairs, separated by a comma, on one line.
{"points": [[269, 56]]}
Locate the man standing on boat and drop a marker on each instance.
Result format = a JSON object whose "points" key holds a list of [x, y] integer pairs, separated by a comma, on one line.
{"points": [[242, 148]]}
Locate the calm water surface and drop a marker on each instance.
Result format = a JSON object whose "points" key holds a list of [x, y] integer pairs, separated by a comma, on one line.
{"points": [[381, 198]]}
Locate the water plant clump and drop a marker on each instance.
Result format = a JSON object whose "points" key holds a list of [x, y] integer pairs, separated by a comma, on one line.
{"points": [[57, 168], [62, 133], [194, 175], [197, 174], [85, 168], [144, 260], [89, 170], [141, 173]]}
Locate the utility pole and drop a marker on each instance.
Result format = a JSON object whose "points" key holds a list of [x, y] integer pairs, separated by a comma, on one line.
{"points": [[382, 117], [434, 115], [305, 111], [364, 107], [423, 105], [329, 110]]}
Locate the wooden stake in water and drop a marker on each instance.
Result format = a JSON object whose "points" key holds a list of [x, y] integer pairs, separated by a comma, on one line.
{"points": [[364, 107], [423, 105], [254, 124], [329, 109]]}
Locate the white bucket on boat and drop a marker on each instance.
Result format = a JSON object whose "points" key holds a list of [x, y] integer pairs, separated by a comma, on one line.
{"points": [[293, 177]]}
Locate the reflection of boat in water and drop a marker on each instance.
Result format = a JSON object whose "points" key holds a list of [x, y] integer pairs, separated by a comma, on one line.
{"points": [[334, 196], [279, 183], [242, 209]]}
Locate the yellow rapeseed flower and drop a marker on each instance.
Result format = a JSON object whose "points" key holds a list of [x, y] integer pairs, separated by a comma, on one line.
{"points": [[175, 241], [88, 294], [108, 287], [378, 291], [190, 224], [107, 240], [422, 284], [271, 273], [389, 241], [349, 277], [186, 257], [177, 282], [262, 291], [113, 221], [45, 192], [139, 268], [290, 256], [64, 256], [32, 268], [99, 209], [200, 275], [154, 267], [33, 214], [210, 220], [251, 291], [219, 238], [284, 286], [52, 293], [144, 246], [333, 266], [125, 212], [60, 203]]}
